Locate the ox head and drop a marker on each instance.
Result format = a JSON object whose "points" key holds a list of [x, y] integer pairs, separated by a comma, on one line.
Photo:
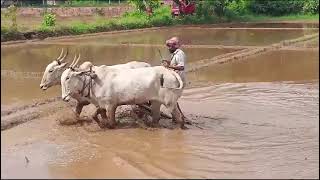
{"points": [[72, 80], [53, 71]]}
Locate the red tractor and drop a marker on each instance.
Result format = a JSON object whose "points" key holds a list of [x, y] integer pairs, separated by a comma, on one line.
{"points": [[182, 7]]}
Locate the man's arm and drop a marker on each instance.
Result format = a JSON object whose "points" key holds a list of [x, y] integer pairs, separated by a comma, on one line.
{"points": [[176, 67], [166, 64]]}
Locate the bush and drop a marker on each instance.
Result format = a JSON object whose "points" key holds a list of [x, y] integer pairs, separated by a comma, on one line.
{"points": [[239, 7], [204, 9], [49, 20], [11, 15], [131, 23], [141, 6], [219, 7], [135, 14], [46, 29], [161, 16], [82, 28], [276, 8], [311, 7], [9, 34], [134, 19], [4, 30]]}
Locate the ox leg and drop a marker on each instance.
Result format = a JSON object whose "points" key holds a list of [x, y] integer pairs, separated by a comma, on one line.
{"points": [[95, 116], [178, 116], [102, 113], [111, 110], [79, 107], [155, 108]]}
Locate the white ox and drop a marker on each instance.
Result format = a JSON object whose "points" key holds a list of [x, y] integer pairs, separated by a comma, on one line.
{"points": [[52, 75], [110, 88]]}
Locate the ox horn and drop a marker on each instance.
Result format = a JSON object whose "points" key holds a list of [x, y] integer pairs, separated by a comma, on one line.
{"points": [[60, 54], [74, 65], [61, 59], [75, 56]]}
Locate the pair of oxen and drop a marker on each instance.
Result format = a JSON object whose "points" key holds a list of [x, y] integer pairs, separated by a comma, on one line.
{"points": [[107, 87]]}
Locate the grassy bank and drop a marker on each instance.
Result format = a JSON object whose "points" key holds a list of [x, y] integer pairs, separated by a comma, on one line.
{"points": [[295, 17], [136, 20]]}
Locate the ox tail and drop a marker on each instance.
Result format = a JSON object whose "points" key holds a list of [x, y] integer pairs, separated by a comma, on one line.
{"points": [[178, 78]]}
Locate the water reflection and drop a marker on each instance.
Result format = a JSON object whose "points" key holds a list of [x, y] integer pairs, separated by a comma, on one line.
{"points": [[229, 37], [282, 65]]}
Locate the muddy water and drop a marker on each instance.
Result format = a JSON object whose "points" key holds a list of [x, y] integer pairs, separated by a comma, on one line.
{"points": [[228, 36], [35, 58], [280, 65], [256, 118], [23, 91]]}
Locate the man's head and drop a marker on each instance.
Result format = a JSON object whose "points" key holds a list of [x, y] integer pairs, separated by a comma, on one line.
{"points": [[173, 44]]}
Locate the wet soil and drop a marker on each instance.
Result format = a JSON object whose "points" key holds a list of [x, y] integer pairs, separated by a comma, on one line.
{"points": [[260, 130]]}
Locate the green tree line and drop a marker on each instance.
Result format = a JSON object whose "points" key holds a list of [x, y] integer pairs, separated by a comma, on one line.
{"points": [[240, 7]]}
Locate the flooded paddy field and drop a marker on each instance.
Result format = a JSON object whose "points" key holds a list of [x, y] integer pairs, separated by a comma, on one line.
{"points": [[256, 117], [273, 66], [204, 36]]}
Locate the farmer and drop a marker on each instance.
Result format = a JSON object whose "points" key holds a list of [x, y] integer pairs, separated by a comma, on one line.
{"points": [[177, 61], [178, 58]]}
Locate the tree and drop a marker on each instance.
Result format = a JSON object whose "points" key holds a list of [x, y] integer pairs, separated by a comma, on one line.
{"points": [[209, 7], [141, 5]]}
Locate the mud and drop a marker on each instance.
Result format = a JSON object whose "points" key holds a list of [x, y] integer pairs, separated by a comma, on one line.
{"points": [[252, 112], [270, 133]]}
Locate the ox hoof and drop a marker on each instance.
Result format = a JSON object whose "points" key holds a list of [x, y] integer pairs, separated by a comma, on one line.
{"points": [[96, 119], [111, 126], [149, 124], [155, 125], [183, 127], [102, 125]]}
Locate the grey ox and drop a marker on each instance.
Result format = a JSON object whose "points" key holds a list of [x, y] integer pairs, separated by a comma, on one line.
{"points": [[109, 87], [52, 76]]}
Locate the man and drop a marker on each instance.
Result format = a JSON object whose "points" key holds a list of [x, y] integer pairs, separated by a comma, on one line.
{"points": [[177, 61], [178, 58]]}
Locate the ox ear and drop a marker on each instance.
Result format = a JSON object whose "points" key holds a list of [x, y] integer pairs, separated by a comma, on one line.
{"points": [[80, 73], [62, 65]]}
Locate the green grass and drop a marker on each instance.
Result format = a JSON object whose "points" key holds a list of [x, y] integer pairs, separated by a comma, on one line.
{"points": [[294, 17]]}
